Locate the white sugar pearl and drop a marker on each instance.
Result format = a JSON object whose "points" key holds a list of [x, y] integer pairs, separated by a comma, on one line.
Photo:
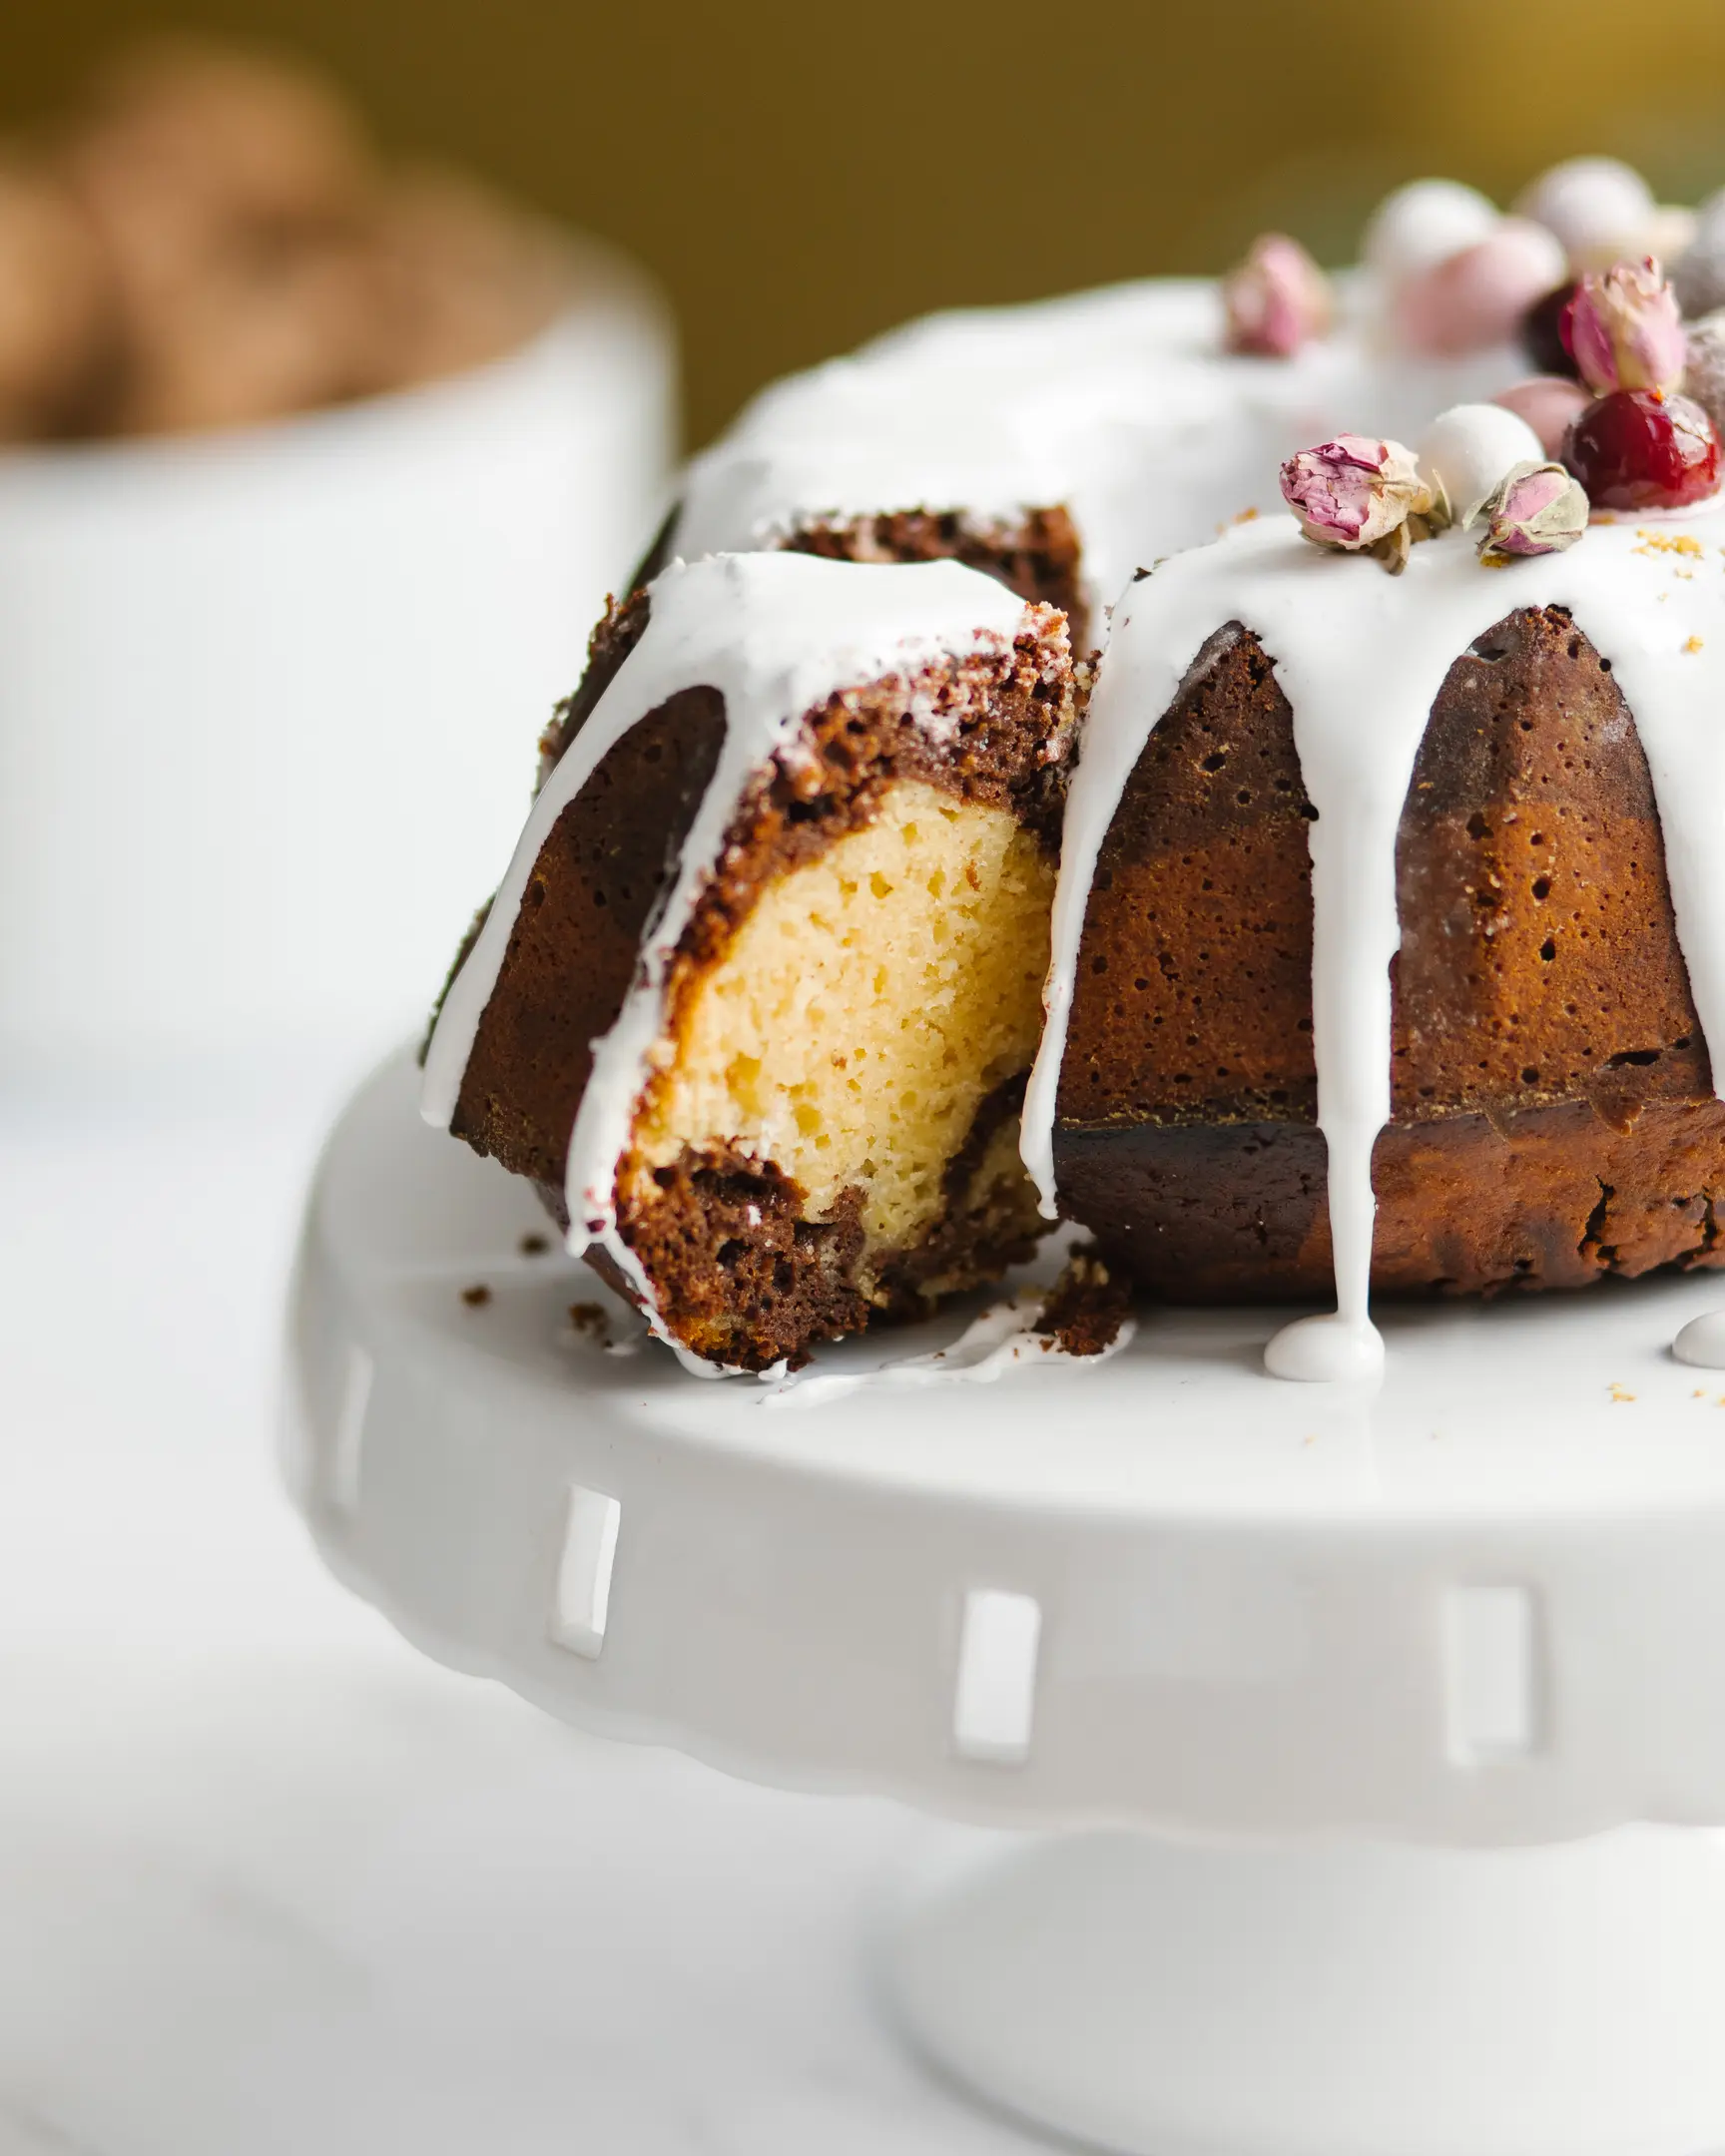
{"points": [[1422, 224], [1600, 208], [1470, 446]]}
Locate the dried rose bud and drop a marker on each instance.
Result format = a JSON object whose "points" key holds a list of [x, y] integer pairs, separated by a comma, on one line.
{"points": [[1534, 509], [1356, 491], [1625, 331], [1276, 300]]}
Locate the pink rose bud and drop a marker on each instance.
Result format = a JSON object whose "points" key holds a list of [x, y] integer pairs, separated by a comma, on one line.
{"points": [[1353, 491], [1625, 331], [1276, 300], [1534, 509]]}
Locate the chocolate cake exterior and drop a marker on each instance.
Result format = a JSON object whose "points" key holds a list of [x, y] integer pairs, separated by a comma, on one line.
{"points": [[1554, 1114]]}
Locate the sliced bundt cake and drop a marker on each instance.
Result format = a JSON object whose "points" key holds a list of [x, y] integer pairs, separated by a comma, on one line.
{"points": [[755, 1002]]}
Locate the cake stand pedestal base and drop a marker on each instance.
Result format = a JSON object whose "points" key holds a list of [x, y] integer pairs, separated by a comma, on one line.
{"points": [[1480, 1607], [1346, 2001]]}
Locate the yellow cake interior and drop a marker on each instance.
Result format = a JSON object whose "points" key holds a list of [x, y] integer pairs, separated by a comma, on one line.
{"points": [[867, 1006]]}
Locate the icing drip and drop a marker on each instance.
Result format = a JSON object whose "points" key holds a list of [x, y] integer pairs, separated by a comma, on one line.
{"points": [[1360, 657], [777, 635], [1702, 1341], [1120, 405], [1002, 1337], [1333, 1347]]}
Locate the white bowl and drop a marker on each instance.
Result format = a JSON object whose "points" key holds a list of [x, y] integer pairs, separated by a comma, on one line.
{"points": [[268, 699]]}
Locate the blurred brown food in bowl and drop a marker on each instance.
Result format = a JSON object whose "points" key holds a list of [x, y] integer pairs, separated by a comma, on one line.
{"points": [[210, 241]]}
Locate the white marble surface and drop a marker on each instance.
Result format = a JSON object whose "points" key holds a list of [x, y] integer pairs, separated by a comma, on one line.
{"points": [[270, 1886]]}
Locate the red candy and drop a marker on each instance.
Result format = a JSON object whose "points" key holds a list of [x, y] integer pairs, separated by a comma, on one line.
{"points": [[1635, 449]]}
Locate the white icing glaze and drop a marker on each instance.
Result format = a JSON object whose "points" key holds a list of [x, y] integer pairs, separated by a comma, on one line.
{"points": [[1000, 1338], [776, 635], [1702, 1341], [1360, 657], [1329, 1347], [1118, 405]]}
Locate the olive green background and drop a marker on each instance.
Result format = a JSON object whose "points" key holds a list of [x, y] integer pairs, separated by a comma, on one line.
{"points": [[800, 176]]}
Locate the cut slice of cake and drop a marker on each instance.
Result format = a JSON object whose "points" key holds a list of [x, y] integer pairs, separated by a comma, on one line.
{"points": [[757, 1000]]}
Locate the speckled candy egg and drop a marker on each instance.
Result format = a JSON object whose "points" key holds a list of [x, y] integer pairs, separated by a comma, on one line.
{"points": [[1599, 207], [1698, 275], [1421, 225], [1551, 405], [1704, 376], [1478, 297]]}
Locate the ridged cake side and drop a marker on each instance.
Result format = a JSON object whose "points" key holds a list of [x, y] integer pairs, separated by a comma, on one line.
{"points": [[1546, 1054]]}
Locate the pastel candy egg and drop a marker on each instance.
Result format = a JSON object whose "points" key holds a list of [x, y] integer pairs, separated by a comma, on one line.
{"points": [[1469, 448], [1478, 297], [1419, 225], [1549, 404], [1599, 207], [1699, 272], [1704, 376], [1668, 232]]}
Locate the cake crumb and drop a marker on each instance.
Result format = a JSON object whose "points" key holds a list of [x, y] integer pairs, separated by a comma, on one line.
{"points": [[1086, 1307], [1694, 644], [477, 1295], [1618, 1394], [1659, 542], [589, 1321], [534, 1246]]}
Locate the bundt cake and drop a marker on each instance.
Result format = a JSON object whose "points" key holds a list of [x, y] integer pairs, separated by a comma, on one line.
{"points": [[755, 1002], [1389, 933]]}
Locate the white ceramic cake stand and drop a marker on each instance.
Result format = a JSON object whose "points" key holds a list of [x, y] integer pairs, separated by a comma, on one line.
{"points": [[1389, 1717]]}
